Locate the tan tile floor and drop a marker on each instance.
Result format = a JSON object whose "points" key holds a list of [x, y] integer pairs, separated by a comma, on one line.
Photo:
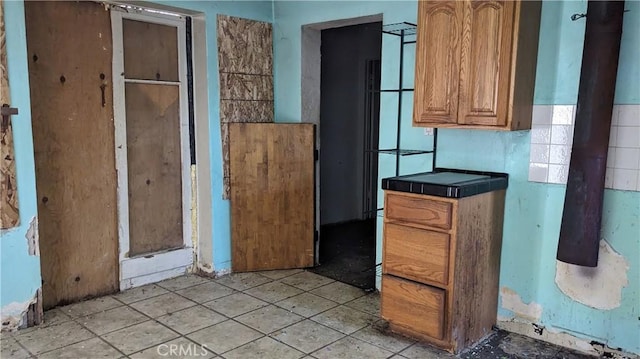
{"points": [[275, 314], [267, 315]]}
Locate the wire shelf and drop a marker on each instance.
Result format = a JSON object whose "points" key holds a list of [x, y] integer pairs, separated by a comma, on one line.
{"points": [[401, 152], [398, 28]]}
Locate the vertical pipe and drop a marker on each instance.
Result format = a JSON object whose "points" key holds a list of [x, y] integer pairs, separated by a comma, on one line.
{"points": [[582, 214], [400, 90], [435, 147]]}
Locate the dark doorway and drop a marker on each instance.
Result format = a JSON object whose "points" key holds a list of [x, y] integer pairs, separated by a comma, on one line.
{"points": [[349, 119]]}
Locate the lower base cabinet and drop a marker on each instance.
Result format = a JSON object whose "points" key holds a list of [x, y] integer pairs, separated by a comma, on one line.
{"points": [[441, 263]]}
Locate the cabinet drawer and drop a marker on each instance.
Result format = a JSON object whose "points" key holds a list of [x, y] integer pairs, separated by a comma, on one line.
{"points": [[416, 254], [418, 210], [412, 305]]}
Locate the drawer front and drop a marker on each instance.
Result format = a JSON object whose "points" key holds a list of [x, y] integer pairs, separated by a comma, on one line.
{"points": [[418, 210], [416, 254], [415, 306]]}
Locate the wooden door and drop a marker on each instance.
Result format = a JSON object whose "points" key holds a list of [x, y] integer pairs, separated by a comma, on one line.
{"points": [[152, 147], [272, 195], [69, 45], [437, 62], [486, 62]]}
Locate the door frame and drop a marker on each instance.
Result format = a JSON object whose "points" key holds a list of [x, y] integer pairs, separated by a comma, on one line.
{"points": [[310, 85], [149, 268]]}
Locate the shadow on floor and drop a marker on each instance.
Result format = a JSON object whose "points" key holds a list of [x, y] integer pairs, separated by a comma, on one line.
{"points": [[348, 253]]}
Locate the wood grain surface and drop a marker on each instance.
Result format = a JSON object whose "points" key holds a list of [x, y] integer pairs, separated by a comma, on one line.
{"points": [[9, 211], [70, 50], [272, 196], [154, 167]]}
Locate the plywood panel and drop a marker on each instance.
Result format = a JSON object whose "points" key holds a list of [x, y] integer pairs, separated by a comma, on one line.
{"points": [[9, 216], [245, 46], [70, 51], [272, 196], [245, 62], [150, 51], [246, 111], [154, 167], [246, 87]]}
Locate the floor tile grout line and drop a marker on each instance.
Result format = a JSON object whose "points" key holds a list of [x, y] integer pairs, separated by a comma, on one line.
{"points": [[64, 346], [23, 347], [150, 318], [207, 301], [76, 321], [320, 324]]}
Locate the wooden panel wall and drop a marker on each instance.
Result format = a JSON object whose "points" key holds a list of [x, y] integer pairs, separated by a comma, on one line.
{"points": [[154, 167], [9, 215], [245, 63], [272, 191], [150, 51], [70, 50]]}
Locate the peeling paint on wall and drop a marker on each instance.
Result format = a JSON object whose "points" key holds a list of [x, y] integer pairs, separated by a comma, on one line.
{"points": [[561, 338], [512, 301], [14, 314], [33, 238], [599, 287]]}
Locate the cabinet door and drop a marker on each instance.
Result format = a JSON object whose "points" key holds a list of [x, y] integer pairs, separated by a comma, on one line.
{"points": [[485, 62], [437, 62]]}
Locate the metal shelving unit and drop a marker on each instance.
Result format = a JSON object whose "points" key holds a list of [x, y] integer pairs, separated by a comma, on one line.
{"points": [[403, 30]]}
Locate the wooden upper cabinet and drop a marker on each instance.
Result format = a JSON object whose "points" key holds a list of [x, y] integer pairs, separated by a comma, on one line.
{"points": [[438, 44], [476, 64]]}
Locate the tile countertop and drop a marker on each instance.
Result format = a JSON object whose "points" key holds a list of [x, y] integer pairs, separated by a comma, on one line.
{"points": [[447, 182]]}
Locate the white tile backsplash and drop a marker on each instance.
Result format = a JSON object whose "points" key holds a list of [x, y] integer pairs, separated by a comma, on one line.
{"points": [[542, 115], [541, 134], [628, 115], [538, 172], [613, 136], [558, 173], [608, 178], [625, 179], [627, 136], [562, 115], [539, 153], [561, 134], [560, 154], [627, 158], [611, 157], [552, 139]]}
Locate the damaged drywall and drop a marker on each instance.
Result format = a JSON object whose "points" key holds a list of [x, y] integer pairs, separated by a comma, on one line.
{"points": [[33, 239], [561, 338], [15, 314], [548, 335], [599, 287], [512, 301]]}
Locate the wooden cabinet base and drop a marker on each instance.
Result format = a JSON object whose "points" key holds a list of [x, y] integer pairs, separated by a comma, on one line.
{"points": [[421, 337], [440, 283]]}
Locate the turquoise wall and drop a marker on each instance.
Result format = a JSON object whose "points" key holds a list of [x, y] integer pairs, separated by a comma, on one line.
{"points": [[221, 211], [533, 210], [20, 272], [533, 213]]}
